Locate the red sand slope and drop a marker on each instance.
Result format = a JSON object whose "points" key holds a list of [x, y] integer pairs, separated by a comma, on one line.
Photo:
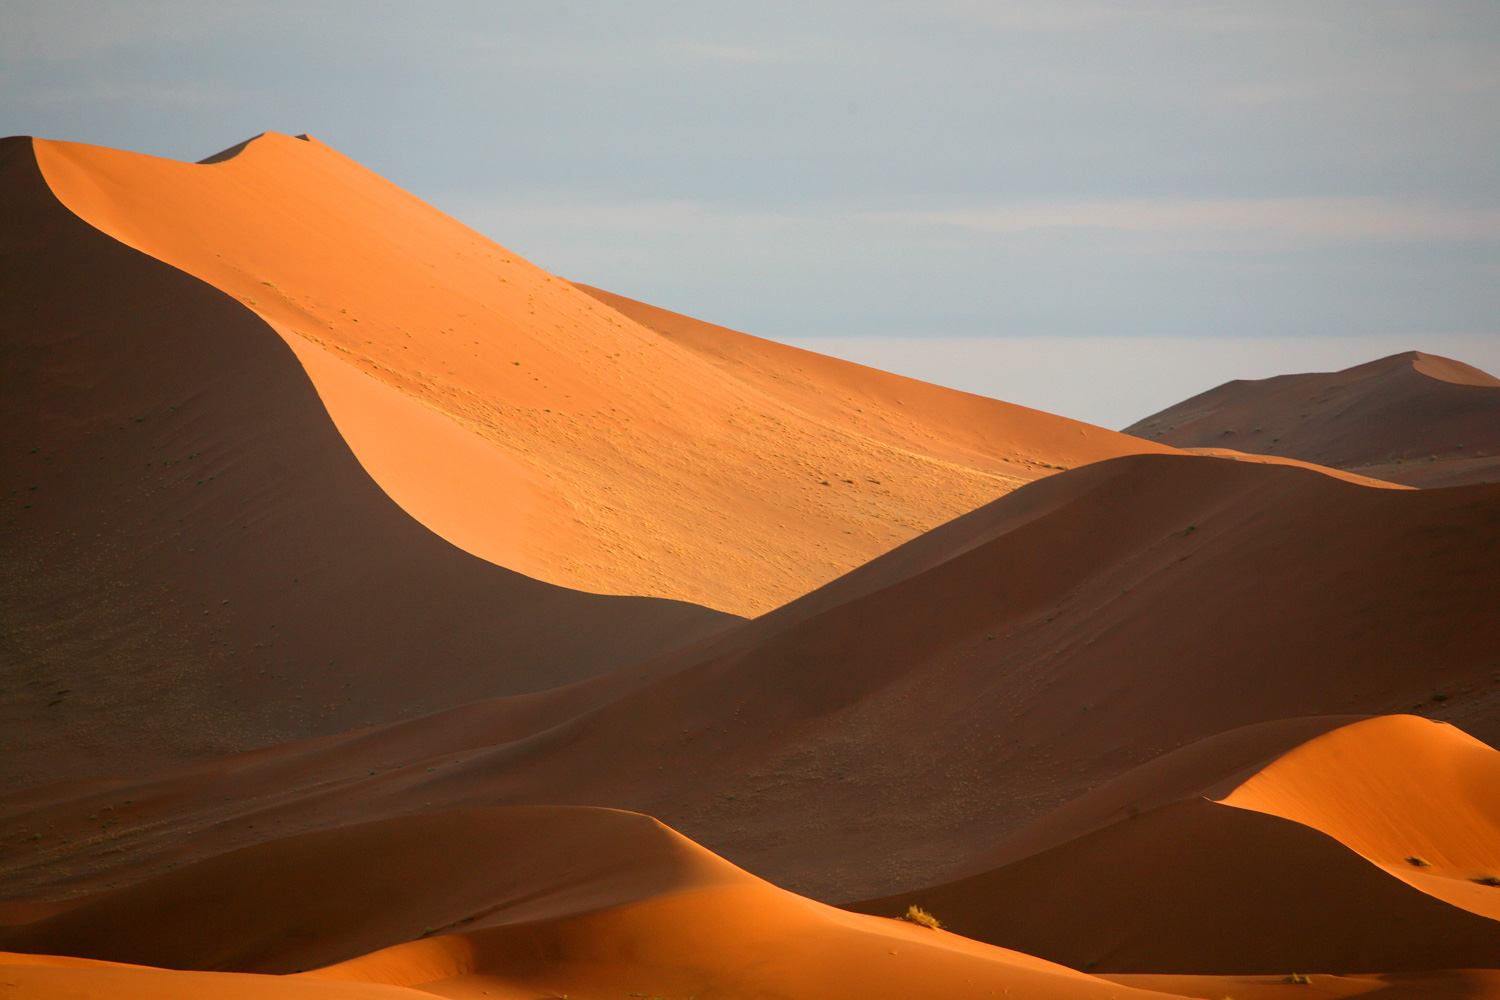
{"points": [[1301, 864], [920, 709], [549, 902], [1410, 418], [195, 562], [524, 903], [535, 426]]}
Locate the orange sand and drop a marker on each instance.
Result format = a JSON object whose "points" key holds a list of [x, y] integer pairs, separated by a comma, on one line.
{"points": [[583, 448], [1192, 865]]}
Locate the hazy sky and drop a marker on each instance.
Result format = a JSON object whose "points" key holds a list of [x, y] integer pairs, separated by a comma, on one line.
{"points": [[1106, 205]]}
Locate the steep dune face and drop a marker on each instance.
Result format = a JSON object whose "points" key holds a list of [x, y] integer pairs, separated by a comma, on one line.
{"points": [[1410, 418], [534, 425], [917, 711], [195, 561], [1301, 864], [1393, 790]]}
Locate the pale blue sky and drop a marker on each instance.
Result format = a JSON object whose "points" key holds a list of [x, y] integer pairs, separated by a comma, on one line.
{"points": [[1196, 186]]}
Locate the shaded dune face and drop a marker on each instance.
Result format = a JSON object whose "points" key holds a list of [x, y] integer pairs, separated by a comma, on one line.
{"points": [[195, 562], [913, 713], [523, 901], [537, 427], [310, 900], [1411, 418], [1296, 861]]}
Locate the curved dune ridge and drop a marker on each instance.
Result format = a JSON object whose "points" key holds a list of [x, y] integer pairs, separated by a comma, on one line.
{"points": [[1243, 855], [543, 902], [918, 710], [527, 903], [539, 428], [369, 590], [1411, 418], [196, 562]]}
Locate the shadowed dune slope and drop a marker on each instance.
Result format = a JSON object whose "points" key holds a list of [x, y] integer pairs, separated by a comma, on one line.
{"points": [[195, 563], [1300, 864], [1447, 984], [520, 902], [314, 899], [533, 425], [1411, 418], [924, 707]]}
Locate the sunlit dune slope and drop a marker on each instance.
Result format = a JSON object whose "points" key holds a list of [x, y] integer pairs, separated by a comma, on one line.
{"points": [[533, 425], [194, 561], [1356, 851], [972, 431], [520, 902], [308, 900], [917, 711], [37, 977], [1410, 418]]}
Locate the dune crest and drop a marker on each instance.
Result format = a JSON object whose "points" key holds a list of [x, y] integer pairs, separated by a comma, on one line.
{"points": [[597, 453], [1019, 655], [1411, 418], [1244, 855], [196, 562]]}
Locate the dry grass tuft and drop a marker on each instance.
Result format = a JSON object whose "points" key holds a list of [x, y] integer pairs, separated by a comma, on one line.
{"points": [[916, 915]]}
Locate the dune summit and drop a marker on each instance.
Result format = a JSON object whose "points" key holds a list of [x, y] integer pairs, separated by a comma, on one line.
{"points": [[536, 426], [385, 617], [1411, 418]]}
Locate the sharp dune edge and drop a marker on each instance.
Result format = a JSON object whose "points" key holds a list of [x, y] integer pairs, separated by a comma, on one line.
{"points": [[369, 590], [585, 449]]}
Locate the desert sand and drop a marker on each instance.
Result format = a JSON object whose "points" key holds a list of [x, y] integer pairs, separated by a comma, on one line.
{"points": [[591, 451], [1359, 849], [387, 617], [1410, 418]]}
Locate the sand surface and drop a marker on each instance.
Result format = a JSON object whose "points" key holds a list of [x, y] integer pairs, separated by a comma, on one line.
{"points": [[595, 452], [384, 616], [1244, 855], [1412, 418], [196, 562], [908, 716]]}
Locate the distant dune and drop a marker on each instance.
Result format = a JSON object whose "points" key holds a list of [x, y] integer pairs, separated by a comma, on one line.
{"points": [[1410, 418]]}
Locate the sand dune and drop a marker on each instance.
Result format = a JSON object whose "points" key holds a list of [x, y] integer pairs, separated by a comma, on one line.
{"points": [[527, 902], [354, 564], [1192, 865], [196, 563], [915, 712], [550, 902], [1411, 418], [538, 427]]}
